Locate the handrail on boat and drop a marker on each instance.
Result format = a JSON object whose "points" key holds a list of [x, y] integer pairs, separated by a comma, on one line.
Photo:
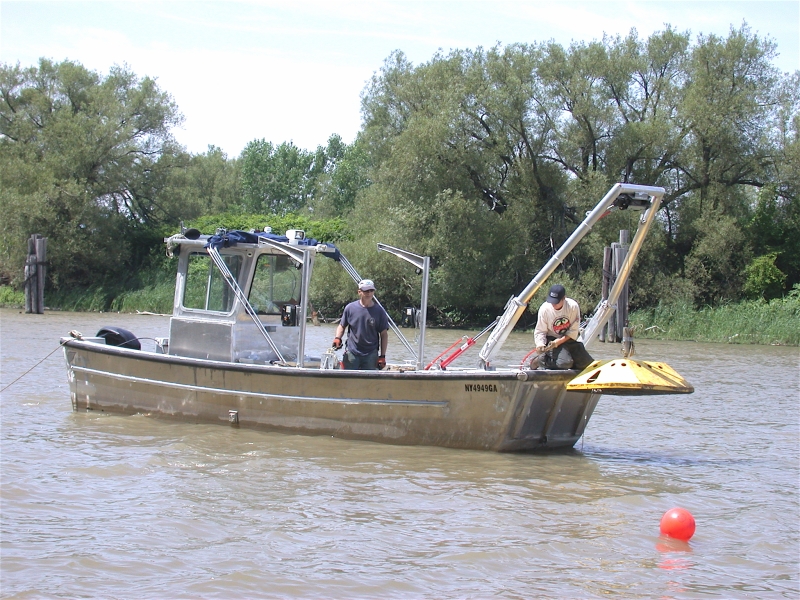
{"points": [[305, 256], [423, 265], [443, 362]]}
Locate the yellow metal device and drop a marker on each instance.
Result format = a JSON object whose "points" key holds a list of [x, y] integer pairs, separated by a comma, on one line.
{"points": [[630, 377]]}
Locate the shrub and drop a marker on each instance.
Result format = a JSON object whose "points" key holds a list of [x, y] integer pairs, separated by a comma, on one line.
{"points": [[764, 279], [9, 297]]}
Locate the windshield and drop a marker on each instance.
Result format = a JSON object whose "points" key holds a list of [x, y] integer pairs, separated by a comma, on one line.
{"points": [[276, 283], [205, 288]]}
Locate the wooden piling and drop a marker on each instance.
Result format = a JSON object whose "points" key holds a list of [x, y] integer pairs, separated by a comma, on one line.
{"points": [[30, 276], [35, 274], [622, 303], [613, 258], [611, 336], [606, 285]]}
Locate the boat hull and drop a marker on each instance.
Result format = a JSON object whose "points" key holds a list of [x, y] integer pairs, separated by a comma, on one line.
{"points": [[482, 410]]}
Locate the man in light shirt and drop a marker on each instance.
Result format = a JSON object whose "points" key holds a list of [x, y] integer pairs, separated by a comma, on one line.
{"points": [[557, 331]]}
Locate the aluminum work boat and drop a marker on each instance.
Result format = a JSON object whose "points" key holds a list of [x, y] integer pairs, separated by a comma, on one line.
{"points": [[236, 354]]}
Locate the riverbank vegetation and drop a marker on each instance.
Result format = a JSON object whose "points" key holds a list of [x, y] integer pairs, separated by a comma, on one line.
{"points": [[773, 322], [485, 160]]}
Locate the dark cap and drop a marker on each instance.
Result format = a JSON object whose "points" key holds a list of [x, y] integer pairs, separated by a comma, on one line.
{"points": [[556, 294]]}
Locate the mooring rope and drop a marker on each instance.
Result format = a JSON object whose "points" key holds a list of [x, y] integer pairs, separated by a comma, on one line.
{"points": [[73, 334], [32, 368]]}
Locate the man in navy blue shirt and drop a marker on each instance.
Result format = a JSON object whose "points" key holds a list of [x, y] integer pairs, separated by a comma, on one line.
{"points": [[369, 331]]}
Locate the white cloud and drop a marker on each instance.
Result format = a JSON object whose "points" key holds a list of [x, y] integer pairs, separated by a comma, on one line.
{"points": [[230, 99]]}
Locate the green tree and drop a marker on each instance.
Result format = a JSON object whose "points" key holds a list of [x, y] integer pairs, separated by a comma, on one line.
{"points": [[735, 105], [276, 179], [344, 171], [82, 161], [205, 183], [732, 100], [484, 159], [764, 279], [717, 262], [644, 82], [774, 232], [465, 128], [538, 133], [776, 222], [581, 113]]}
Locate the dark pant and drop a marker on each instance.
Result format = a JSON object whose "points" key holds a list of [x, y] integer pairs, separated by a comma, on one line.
{"points": [[569, 355], [364, 363]]}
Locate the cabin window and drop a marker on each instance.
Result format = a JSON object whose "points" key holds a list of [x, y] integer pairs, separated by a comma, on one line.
{"points": [[276, 283], [205, 288]]}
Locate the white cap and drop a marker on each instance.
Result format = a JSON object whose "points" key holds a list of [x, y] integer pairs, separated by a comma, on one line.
{"points": [[366, 284]]}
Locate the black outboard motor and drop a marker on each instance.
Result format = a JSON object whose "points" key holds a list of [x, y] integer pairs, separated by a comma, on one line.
{"points": [[117, 336]]}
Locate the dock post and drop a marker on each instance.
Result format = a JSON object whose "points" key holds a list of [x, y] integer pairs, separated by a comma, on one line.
{"points": [[35, 274], [622, 304], [30, 276], [611, 336], [613, 259], [606, 285]]}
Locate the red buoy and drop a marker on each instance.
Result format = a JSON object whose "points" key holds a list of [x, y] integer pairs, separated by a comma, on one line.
{"points": [[678, 523]]}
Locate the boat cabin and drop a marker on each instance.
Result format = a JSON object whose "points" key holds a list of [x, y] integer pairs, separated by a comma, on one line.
{"points": [[211, 319]]}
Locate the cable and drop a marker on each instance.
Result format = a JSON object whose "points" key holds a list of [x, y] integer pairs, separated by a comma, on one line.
{"points": [[75, 334], [31, 369]]}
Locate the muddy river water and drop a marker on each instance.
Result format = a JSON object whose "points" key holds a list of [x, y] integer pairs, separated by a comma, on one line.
{"points": [[105, 506]]}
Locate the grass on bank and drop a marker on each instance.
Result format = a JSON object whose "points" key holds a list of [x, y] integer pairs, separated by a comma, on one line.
{"points": [[11, 298], [749, 322], [155, 298]]}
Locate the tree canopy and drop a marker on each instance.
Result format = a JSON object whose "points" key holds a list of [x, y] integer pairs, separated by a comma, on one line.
{"points": [[83, 160], [537, 133], [484, 159]]}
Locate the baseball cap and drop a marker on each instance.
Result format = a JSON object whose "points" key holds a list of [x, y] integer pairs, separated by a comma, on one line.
{"points": [[366, 284], [556, 293]]}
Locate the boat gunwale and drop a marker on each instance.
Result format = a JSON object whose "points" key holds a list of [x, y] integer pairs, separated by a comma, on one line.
{"points": [[509, 374]]}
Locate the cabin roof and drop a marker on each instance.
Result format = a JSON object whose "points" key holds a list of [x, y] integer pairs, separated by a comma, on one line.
{"points": [[227, 239]]}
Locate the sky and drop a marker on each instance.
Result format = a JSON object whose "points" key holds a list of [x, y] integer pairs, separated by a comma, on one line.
{"points": [[294, 70]]}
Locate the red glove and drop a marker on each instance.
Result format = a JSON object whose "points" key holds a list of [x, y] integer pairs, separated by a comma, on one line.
{"points": [[382, 362], [337, 343]]}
